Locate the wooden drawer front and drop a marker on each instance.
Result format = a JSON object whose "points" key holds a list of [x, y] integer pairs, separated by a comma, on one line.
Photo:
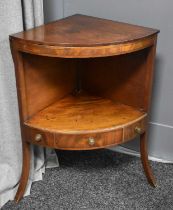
{"points": [[88, 141], [74, 141], [130, 130], [39, 137]]}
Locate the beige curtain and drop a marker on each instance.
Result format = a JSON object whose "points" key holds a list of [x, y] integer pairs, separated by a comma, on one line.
{"points": [[15, 16]]}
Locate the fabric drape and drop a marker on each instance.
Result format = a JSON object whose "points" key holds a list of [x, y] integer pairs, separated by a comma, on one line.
{"points": [[15, 16]]}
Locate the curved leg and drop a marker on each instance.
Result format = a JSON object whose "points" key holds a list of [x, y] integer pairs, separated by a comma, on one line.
{"points": [[25, 172], [144, 159]]}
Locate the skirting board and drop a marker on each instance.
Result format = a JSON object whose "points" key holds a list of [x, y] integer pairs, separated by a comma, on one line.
{"points": [[137, 154], [160, 144]]}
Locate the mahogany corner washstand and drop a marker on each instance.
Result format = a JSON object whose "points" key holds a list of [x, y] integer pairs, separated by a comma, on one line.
{"points": [[83, 83]]}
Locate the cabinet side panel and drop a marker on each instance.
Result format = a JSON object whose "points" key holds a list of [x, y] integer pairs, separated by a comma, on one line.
{"points": [[149, 76], [120, 78], [47, 80]]}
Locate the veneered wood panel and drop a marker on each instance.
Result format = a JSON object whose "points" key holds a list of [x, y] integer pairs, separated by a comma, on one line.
{"points": [[81, 31], [83, 52], [129, 130], [47, 80], [74, 141], [81, 141], [83, 121], [120, 78], [47, 138], [84, 113], [83, 36]]}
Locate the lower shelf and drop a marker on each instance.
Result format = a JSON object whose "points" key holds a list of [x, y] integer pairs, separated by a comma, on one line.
{"points": [[85, 122]]}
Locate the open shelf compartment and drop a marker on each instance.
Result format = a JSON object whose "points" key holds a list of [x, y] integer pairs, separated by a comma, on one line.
{"points": [[70, 101], [84, 113]]}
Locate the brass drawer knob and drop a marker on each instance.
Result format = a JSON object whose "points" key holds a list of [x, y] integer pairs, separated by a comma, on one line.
{"points": [[138, 130], [38, 137], [91, 141]]}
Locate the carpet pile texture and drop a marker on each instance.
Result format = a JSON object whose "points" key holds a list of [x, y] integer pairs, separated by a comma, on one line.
{"points": [[99, 180]]}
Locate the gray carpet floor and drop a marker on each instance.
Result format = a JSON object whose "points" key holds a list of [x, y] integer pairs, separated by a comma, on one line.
{"points": [[96, 180]]}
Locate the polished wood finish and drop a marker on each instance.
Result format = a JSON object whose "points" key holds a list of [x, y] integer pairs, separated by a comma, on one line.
{"points": [[25, 172], [81, 31], [83, 36], [83, 83], [43, 76], [84, 113], [77, 141], [83, 116], [130, 131], [20, 83], [120, 78], [144, 159], [83, 52]]}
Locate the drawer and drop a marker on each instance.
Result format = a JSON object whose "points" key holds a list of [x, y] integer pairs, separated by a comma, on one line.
{"points": [[132, 130], [88, 141], [74, 141], [39, 137]]}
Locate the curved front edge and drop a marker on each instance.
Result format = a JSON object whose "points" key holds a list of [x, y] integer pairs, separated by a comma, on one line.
{"points": [[86, 141], [83, 52], [74, 141]]}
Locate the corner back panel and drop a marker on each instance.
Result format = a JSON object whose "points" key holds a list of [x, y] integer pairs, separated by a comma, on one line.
{"points": [[120, 78], [47, 80]]}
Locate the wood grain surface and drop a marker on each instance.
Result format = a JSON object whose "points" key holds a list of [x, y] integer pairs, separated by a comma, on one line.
{"points": [[119, 78], [47, 80], [70, 122], [82, 31], [83, 36], [83, 83], [84, 113]]}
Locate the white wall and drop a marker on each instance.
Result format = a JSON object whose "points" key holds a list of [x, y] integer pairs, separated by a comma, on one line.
{"points": [[151, 13]]}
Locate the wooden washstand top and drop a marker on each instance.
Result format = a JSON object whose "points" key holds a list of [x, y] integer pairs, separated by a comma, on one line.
{"points": [[84, 36]]}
